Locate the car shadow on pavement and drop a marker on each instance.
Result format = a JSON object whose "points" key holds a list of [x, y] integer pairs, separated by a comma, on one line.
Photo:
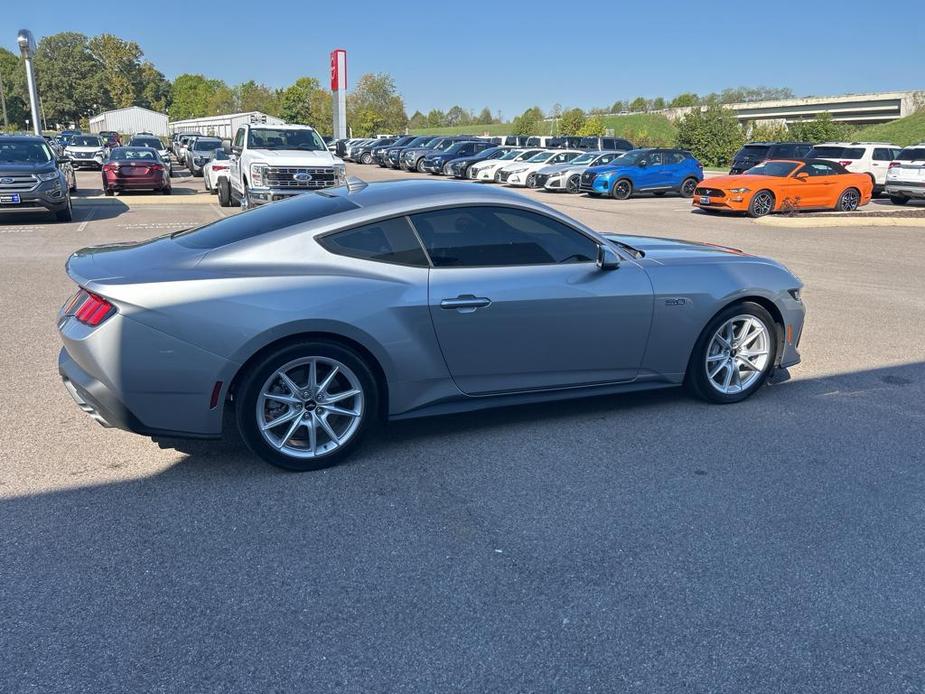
{"points": [[557, 538]]}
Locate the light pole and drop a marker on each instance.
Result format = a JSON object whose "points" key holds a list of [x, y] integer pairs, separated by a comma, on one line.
{"points": [[6, 122], [27, 47]]}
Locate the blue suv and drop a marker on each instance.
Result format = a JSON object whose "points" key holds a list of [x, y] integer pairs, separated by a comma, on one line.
{"points": [[652, 170]]}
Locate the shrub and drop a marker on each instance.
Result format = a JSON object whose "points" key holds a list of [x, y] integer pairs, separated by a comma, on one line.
{"points": [[713, 135]]}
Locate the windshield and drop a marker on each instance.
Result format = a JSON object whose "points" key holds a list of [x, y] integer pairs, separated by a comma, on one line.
{"points": [[86, 141], [134, 153], [584, 158], [206, 145], [32, 152], [490, 153], [630, 158], [911, 154], [445, 145], [513, 154], [285, 138], [781, 169], [455, 147], [146, 142], [541, 157]]}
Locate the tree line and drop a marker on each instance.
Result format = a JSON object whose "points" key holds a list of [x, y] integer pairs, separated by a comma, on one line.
{"points": [[79, 76]]}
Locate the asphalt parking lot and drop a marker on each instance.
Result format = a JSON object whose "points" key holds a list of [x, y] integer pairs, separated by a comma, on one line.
{"points": [[644, 543]]}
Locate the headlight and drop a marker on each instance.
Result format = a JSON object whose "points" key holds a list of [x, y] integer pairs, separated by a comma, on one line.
{"points": [[99, 153], [739, 190], [517, 171], [340, 173], [50, 176], [258, 175]]}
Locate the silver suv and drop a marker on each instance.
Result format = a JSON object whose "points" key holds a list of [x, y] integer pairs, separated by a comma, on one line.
{"points": [[905, 178]]}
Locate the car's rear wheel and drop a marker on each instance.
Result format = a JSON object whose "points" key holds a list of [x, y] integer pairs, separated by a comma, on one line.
{"points": [[899, 199], [572, 183], [734, 354], [849, 201], [688, 187], [622, 189], [762, 203], [224, 192], [306, 406]]}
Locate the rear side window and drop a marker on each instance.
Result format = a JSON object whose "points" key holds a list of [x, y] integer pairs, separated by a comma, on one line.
{"points": [[784, 152], [754, 151], [499, 236], [388, 241], [853, 153], [264, 219]]}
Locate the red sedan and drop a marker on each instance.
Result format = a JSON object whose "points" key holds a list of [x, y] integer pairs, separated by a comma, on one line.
{"points": [[135, 168]]}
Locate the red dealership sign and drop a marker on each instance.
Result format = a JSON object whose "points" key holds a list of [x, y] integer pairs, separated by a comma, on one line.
{"points": [[338, 69]]}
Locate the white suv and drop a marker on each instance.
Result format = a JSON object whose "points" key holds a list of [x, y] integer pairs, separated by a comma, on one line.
{"points": [[906, 177], [872, 158]]}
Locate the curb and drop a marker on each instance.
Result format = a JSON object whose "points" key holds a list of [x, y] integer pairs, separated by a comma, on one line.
{"points": [[828, 222]]}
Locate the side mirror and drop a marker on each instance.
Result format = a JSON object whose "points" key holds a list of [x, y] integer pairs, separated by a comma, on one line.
{"points": [[802, 175], [607, 258], [643, 164], [64, 160]]}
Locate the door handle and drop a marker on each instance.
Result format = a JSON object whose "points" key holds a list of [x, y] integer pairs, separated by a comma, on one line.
{"points": [[466, 303]]}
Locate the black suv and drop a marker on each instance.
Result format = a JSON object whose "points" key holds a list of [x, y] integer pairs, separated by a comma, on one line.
{"points": [[754, 153], [32, 176]]}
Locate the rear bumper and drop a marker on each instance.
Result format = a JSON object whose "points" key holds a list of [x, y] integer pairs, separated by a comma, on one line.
{"points": [[911, 189], [104, 405]]}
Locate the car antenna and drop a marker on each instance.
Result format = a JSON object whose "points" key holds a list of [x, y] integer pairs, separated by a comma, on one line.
{"points": [[355, 183]]}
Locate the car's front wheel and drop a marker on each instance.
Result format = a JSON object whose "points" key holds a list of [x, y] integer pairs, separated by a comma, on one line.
{"points": [[367, 158], [67, 214], [224, 192], [572, 183], [622, 189], [734, 354], [307, 405], [420, 165], [762, 203]]}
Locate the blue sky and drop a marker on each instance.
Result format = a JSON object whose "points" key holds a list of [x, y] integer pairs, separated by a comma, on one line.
{"points": [[511, 55]]}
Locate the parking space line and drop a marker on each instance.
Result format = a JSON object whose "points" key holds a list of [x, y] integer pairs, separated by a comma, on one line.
{"points": [[218, 210], [83, 224]]}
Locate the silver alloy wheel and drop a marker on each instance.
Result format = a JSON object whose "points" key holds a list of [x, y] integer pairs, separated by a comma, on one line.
{"points": [[738, 354], [571, 185], [762, 203], [688, 187], [850, 200], [310, 407]]}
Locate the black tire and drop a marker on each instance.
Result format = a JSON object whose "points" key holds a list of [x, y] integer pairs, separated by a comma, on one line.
{"points": [[762, 203], [205, 183], [367, 158], [167, 191], [572, 183], [197, 174], [697, 379], [622, 189], [107, 191], [688, 186], [224, 192], [419, 166], [849, 200], [899, 199], [67, 214], [256, 376]]}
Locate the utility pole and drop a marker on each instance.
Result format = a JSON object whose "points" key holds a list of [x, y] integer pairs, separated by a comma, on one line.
{"points": [[27, 47]]}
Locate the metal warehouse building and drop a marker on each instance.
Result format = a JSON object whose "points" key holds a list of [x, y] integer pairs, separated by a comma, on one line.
{"points": [[131, 120], [223, 126]]}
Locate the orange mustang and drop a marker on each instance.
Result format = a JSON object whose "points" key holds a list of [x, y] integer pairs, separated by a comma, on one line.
{"points": [[775, 185]]}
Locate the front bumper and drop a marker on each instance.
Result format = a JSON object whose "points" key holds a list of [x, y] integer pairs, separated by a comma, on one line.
{"points": [[432, 167], [599, 185], [49, 195], [555, 183], [262, 196]]}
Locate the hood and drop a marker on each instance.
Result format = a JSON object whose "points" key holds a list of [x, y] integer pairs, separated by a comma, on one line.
{"points": [[11, 168], [737, 181], [555, 168], [157, 259], [85, 148], [607, 168], [666, 250], [295, 157]]}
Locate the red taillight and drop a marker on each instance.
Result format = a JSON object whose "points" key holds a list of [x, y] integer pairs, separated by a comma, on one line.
{"points": [[94, 310], [894, 163], [111, 167], [219, 168], [156, 167], [845, 162]]}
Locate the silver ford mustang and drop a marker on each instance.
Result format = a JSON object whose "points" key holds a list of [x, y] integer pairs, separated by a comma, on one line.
{"points": [[312, 318]]}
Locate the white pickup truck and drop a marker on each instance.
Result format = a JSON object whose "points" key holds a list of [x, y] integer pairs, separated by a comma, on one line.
{"points": [[273, 162]]}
